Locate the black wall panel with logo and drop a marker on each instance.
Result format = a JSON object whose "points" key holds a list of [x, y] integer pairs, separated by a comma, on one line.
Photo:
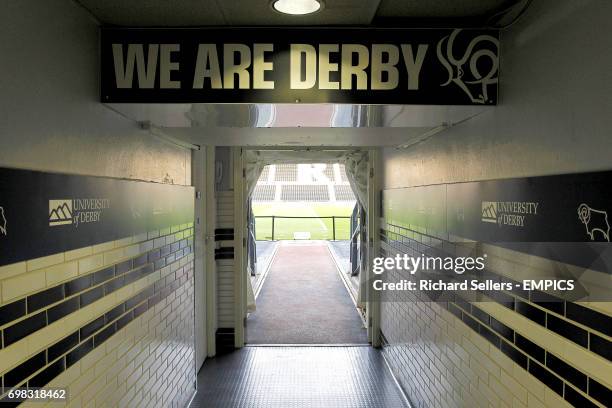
{"points": [[562, 217], [46, 213]]}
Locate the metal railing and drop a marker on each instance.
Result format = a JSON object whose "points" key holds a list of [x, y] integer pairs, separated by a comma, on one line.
{"points": [[275, 233]]}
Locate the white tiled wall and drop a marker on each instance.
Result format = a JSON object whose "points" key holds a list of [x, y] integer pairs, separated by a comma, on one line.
{"points": [[149, 363], [225, 267], [441, 362]]}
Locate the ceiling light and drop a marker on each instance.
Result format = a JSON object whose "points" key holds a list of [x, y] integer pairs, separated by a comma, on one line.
{"points": [[297, 7]]}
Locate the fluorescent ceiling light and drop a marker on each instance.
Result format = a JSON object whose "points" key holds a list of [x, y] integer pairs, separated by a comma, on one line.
{"points": [[296, 7]]}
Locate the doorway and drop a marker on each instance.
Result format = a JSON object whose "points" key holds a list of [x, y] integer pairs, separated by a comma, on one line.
{"points": [[300, 224]]}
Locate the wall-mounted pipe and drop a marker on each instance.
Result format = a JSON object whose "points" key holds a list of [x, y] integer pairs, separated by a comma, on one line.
{"points": [[159, 134]]}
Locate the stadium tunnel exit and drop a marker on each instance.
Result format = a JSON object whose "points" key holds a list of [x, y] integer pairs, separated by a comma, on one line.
{"points": [[306, 246], [130, 132]]}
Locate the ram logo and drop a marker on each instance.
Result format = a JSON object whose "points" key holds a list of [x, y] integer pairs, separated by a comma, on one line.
{"points": [[595, 222], [2, 222], [464, 71]]}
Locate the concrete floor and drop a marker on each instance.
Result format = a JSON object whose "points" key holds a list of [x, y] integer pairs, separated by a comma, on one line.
{"points": [[265, 252], [309, 377], [342, 253]]}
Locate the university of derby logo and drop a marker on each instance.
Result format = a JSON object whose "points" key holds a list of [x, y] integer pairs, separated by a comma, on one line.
{"points": [[595, 222], [2, 222], [60, 212], [489, 211], [508, 213], [463, 70], [77, 211]]}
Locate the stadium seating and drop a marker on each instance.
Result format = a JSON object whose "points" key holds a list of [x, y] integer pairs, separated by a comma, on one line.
{"points": [[264, 193], [286, 172], [303, 182], [344, 193], [304, 192]]}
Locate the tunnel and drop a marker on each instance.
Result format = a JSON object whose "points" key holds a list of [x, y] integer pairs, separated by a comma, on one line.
{"points": [[305, 203]]}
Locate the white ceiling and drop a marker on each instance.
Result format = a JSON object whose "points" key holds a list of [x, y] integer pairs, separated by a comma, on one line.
{"points": [[188, 13], [294, 137], [296, 125]]}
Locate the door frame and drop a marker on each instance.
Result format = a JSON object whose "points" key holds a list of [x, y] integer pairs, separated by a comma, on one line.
{"points": [[240, 252], [373, 237], [209, 241], [198, 166]]}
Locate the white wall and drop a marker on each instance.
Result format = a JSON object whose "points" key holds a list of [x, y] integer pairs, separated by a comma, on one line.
{"points": [[51, 120], [553, 117], [554, 108], [50, 115]]}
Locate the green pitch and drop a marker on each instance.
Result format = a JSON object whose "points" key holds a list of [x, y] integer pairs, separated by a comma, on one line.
{"points": [[318, 228]]}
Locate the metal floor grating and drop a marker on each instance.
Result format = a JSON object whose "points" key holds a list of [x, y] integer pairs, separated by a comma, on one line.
{"points": [[292, 377]]}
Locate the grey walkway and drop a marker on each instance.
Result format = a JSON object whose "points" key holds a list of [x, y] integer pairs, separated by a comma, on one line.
{"points": [[343, 254], [309, 377], [303, 301], [265, 249]]}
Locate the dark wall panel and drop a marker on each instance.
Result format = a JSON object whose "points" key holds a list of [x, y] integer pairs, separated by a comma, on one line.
{"points": [[44, 213]]}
